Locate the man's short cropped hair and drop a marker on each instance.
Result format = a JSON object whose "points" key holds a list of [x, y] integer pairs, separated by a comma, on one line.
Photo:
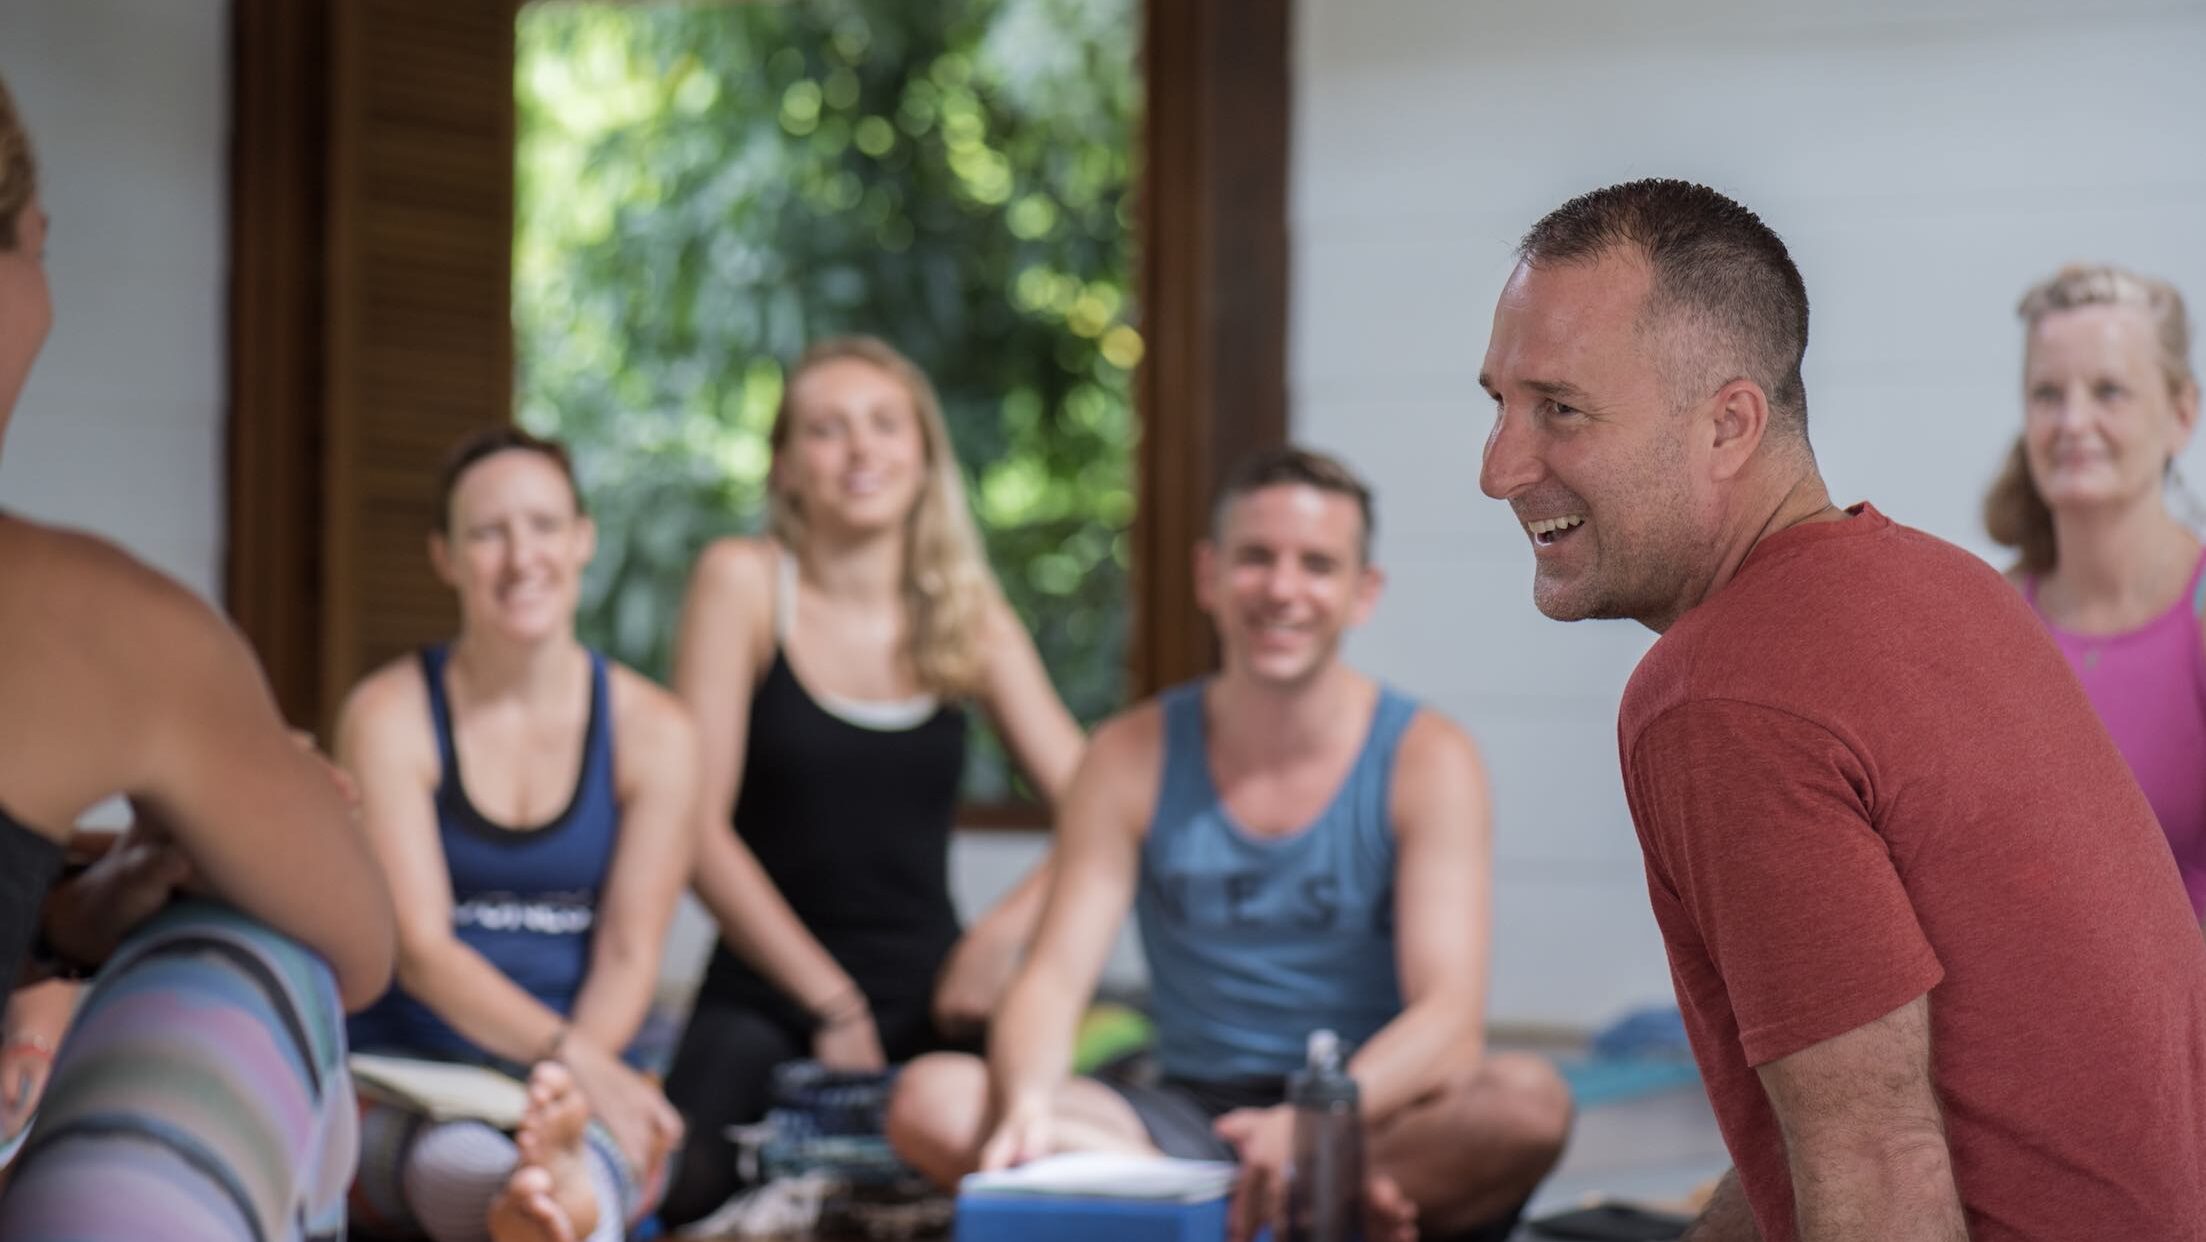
{"points": [[1716, 266], [1291, 464]]}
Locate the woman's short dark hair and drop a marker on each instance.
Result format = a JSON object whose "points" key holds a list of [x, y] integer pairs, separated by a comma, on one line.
{"points": [[489, 442]]}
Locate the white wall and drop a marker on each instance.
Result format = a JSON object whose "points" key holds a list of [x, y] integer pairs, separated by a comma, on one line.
{"points": [[120, 428], [1924, 160]]}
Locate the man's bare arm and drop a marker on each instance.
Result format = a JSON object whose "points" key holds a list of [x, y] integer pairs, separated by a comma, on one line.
{"points": [[1726, 1218], [1443, 826], [1863, 1135], [1091, 887]]}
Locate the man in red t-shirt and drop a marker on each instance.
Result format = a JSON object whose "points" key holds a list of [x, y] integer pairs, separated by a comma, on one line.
{"points": [[1937, 966]]}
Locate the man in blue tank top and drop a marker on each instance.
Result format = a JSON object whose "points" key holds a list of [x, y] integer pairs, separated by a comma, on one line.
{"points": [[1303, 849]]}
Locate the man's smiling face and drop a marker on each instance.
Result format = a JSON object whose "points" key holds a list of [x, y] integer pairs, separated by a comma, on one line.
{"points": [[1589, 445]]}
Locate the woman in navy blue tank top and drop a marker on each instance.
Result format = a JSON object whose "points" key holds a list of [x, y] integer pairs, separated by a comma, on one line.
{"points": [[829, 666], [530, 801]]}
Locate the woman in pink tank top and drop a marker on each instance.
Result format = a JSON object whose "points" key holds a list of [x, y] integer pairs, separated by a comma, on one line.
{"points": [[2110, 399]]}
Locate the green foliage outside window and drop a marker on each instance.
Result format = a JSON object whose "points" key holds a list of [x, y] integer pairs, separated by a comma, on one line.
{"points": [[703, 189]]}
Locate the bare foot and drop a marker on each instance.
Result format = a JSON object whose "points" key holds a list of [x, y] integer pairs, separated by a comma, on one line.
{"points": [[548, 1198]]}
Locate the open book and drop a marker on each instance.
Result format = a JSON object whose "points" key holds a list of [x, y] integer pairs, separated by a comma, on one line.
{"points": [[1097, 1175], [441, 1090]]}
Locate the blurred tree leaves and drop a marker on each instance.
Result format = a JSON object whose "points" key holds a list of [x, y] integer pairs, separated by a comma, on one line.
{"points": [[703, 189]]}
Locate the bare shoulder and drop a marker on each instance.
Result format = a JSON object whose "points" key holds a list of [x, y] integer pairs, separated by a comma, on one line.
{"points": [[100, 657], [1439, 775], [1434, 744], [738, 565], [120, 634], [1124, 761], [92, 589], [388, 711], [1131, 741], [647, 718], [729, 605]]}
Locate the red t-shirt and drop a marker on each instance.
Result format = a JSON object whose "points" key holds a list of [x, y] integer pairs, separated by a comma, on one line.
{"points": [[1862, 771]]}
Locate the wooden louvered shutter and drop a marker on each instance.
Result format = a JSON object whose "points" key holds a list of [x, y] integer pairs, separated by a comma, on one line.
{"points": [[412, 236], [421, 282], [1214, 287]]}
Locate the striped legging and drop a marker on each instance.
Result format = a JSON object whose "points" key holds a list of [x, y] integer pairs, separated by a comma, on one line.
{"points": [[201, 1094]]}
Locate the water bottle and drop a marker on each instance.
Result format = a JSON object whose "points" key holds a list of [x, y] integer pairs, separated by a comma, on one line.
{"points": [[1325, 1183]]}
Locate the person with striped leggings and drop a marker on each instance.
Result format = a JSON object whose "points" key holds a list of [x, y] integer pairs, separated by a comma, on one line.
{"points": [[201, 1092]]}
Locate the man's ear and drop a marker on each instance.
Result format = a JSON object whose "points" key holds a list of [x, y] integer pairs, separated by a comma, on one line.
{"points": [[1205, 562], [1370, 585], [1738, 422]]}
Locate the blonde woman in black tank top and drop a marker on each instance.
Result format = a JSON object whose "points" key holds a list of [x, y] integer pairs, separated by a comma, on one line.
{"points": [[828, 667]]}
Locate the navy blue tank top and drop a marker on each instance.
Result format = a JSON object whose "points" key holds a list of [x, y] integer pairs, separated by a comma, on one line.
{"points": [[1254, 941], [526, 899]]}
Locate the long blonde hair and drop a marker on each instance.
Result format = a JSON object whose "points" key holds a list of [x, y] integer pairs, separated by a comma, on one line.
{"points": [[2015, 514], [18, 171], [947, 585]]}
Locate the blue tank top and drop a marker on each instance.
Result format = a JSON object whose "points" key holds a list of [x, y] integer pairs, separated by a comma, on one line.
{"points": [[525, 899], [1254, 942]]}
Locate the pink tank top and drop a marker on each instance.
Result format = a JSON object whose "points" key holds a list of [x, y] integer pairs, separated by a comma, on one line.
{"points": [[2149, 685]]}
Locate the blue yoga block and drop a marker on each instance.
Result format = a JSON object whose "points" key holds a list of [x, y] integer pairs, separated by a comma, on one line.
{"points": [[1037, 1218]]}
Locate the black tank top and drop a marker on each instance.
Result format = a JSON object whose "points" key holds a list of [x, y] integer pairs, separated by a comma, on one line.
{"points": [[852, 823], [28, 865]]}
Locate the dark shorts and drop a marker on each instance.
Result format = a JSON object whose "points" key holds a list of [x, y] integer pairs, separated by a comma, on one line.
{"points": [[1178, 1112]]}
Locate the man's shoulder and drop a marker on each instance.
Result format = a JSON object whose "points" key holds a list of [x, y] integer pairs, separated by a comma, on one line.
{"points": [[1438, 782], [1431, 743], [1140, 734], [1133, 734], [1128, 742], [1852, 567], [1124, 761], [1827, 612]]}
